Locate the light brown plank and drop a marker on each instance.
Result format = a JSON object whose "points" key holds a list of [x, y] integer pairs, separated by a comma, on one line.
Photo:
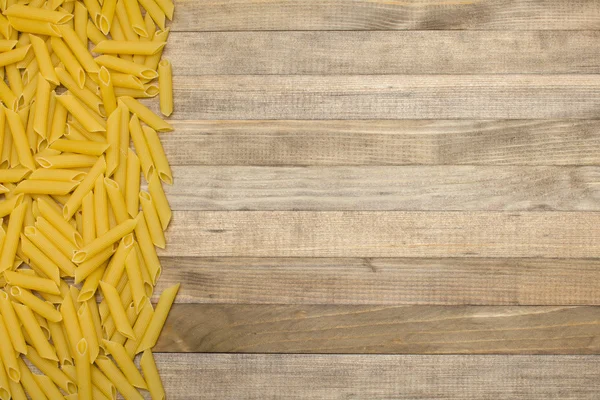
{"points": [[409, 52], [217, 328], [242, 15], [386, 97], [342, 377], [276, 143], [437, 188], [383, 281], [384, 234]]}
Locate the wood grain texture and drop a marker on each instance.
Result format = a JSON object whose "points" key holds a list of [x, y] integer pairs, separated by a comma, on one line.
{"points": [[238, 328], [409, 52], [382, 281], [356, 97], [463, 188], [242, 15], [384, 234], [431, 142]]}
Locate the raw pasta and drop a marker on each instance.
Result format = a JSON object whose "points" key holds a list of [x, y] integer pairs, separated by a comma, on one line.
{"points": [[74, 223]]}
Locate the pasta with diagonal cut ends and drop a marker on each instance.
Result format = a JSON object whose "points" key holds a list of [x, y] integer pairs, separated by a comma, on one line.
{"points": [[160, 201], [141, 146], [117, 201], [125, 364], [158, 320], [134, 273], [42, 56], [79, 50], [10, 317], [159, 157], [28, 382], [60, 343], [165, 87], [107, 90], [116, 310], [40, 260], [126, 67], [88, 330], [85, 95], [40, 14], [104, 241], [6, 45], [153, 60], [105, 18], [79, 112], [48, 387], [7, 353], [155, 386], [102, 221], [11, 241], [13, 56], [87, 147], [33, 330], [117, 378], [42, 308], [19, 139], [69, 60], [13, 175], [67, 175], [147, 247], [50, 369], [128, 47], [45, 187], [83, 369], [50, 249], [84, 187], [15, 278], [146, 115], [152, 219], [80, 20]]}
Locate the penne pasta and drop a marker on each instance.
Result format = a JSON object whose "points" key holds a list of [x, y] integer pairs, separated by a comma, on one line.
{"points": [[40, 260], [117, 201], [153, 60], [104, 241], [81, 114], [154, 383], [105, 18], [107, 91], [113, 133], [125, 364], [60, 343], [28, 382], [86, 185], [13, 175], [42, 56], [50, 250], [69, 60], [11, 241], [147, 247], [78, 48], [48, 387], [126, 67], [152, 219], [85, 95], [128, 47], [80, 18], [45, 187], [83, 369], [10, 319], [89, 331], [30, 282], [7, 353], [66, 175], [51, 370], [42, 308], [39, 14], [117, 378], [13, 56], [146, 115], [80, 147], [165, 87], [116, 310], [158, 320], [141, 146], [155, 12], [50, 213], [19, 139], [168, 7], [33, 330]]}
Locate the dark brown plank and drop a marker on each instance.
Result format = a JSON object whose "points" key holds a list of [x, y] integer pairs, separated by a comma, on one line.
{"points": [[242, 15], [276, 143], [217, 328], [409, 52], [383, 281], [342, 377], [436, 188], [358, 97], [384, 234]]}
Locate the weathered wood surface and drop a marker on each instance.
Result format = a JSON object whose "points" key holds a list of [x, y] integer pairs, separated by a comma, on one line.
{"points": [[341, 377], [464, 188], [408, 52], [431, 142], [283, 15], [382, 281], [250, 97], [384, 234], [238, 328]]}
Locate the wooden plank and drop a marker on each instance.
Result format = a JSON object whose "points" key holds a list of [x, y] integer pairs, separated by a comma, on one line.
{"points": [[217, 328], [386, 97], [382, 281], [384, 234], [436, 188], [409, 52], [276, 143], [327, 377], [242, 15]]}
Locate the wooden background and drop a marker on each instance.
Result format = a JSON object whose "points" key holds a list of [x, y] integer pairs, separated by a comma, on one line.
{"points": [[380, 199]]}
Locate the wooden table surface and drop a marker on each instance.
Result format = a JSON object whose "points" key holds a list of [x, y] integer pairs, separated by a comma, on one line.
{"points": [[380, 199]]}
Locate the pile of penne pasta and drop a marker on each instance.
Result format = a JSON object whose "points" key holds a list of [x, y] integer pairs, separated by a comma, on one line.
{"points": [[78, 262]]}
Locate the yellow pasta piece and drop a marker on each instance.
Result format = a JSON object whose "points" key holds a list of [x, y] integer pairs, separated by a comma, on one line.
{"points": [[154, 12], [152, 219], [124, 23], [125, 364], [126, 67], [136, 282], [128, 47], [10, 317], [46, 187], [49, 212], [33, 330], [83, 368], [155, 386], [158, 320], [40, 260], [85, 95], [31, 282], [89, 331], [4, 383], [107, 90], [13, 175], [89, 266], [168, 7], [11, 241], [147, 247], [153, 60], [20, 139], [80, 18], [50, 249], [44, 309], [39, 14], [117, 201], [146, 115], [93, 33], [118, 379], [28, 382], [13, 56], [86, 185], [141, 146], [48, 387], [6, 45], [43, 59], [51, 370], [66, 161], [89, 222], [91, 284], [77, 47], [80, 147], [116, 267], [67, 175], [69, 60], [101, 207], [165, 84], [158, 155], [81, 114], [105, 19], [7, 352], [104, 241], [116, 310], [60, 343], [120, 80], [5, 27], [147, 92]]}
